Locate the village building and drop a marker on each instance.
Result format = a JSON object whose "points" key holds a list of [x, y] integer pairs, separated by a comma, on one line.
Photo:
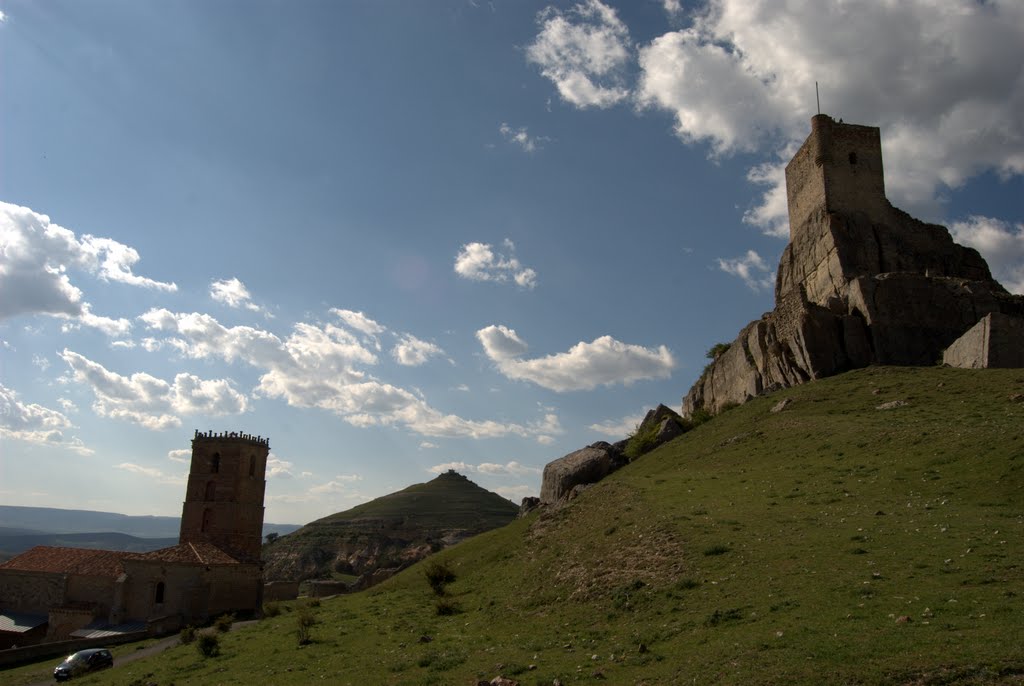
{"points": [[51, 594]]}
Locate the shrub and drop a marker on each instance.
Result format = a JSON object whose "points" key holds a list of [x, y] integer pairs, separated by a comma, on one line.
{"points": [[208, 645], [188, 634], [313, 602], [716, 550], [641, 440], [439, 575], [447, 607], [223, 623], [271, 610], [304, 620], [717, 350]]}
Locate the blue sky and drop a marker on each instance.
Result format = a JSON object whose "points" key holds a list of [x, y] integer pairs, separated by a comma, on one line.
{"points": [[400, 236]]}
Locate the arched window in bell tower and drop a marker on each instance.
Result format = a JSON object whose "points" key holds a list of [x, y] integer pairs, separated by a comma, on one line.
{"points": [[159, 597], [215, 463], [207, 520], [211, 491]]}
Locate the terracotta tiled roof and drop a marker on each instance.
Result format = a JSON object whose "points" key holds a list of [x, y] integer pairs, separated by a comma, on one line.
{"points": [[83, 561], [198, 553]]}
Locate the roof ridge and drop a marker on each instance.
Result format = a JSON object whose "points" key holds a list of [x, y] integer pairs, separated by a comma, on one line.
{"points": [[198, 556]]}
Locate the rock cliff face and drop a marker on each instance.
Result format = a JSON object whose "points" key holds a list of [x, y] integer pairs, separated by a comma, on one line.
{"points": [[861, 282]]}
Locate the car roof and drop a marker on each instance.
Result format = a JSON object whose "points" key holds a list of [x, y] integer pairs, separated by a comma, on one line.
{"points": [[90, 651]]}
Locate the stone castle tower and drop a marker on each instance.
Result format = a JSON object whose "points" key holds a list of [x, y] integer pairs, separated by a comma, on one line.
{"points": [[861, 282], [224, 496]]}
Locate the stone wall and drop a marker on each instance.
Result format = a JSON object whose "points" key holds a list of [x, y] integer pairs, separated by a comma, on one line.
{"points": [[34, 592]]}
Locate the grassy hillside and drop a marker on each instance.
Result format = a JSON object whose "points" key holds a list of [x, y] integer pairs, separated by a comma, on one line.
{"points": [[830, 543], [390, 531]]}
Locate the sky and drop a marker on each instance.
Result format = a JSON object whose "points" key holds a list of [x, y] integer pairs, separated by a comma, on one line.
{"points": [[401, 237]]}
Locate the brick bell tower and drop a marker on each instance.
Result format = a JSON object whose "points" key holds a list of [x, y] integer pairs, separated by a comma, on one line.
{"points": [[224, 497]]}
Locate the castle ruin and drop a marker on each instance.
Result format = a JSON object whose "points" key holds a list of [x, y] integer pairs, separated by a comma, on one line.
{"points": [[860, 283]]}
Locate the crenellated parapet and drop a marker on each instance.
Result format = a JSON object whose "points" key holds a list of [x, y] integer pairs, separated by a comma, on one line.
{"points": [[231, 436]]}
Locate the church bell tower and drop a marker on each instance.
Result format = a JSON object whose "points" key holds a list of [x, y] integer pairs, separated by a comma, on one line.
{"points": [[224, 496]]}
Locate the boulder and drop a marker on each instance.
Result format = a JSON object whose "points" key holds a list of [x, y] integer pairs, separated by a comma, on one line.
{"points": [[585, 466], [995, 341], [529, 504]]}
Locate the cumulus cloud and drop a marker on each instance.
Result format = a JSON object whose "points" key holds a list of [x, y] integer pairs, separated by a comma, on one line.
{"points": [[754, 271], [34, 423], [181, 455], [233, 293], [152, 473], [521, 137], [1000, 243], [341, 484], [585, 52], [358, 321], [278, 468], [618, 428], [511, 468], [941, 79], [151, 402], [318, 366], [602, 362], [479, 262], [412, 352], [38, 259], [516, 493]]}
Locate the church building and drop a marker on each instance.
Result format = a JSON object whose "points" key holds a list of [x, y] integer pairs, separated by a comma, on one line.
{"points": [[50, 594]]}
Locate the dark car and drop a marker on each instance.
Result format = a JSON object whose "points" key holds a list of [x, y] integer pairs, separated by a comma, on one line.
{"points": [[83, 662]]}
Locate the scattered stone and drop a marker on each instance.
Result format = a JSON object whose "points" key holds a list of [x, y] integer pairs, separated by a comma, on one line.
{"points": [[876, 391], [598, 674], [642, 649], [1017, 398], [892, 405], [426, 639], [781, 405], [503, 681], [903, 619]]}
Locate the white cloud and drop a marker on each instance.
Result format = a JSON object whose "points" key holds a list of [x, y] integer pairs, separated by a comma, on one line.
{"points": [[479, 262], [278, 468], [427, 445], [151, 402], [521, 137], [941, 79], [618, 428], [754, 271], [317, 366], [1000, 243], [34, 423], [516, 493], [341, 484], [511, 468], [37, 258], [584, 52], [41, 362], [359, 321], [672, 7], [233, 293], [152, 473], [181, 455], [412, 352], [585, 366]]}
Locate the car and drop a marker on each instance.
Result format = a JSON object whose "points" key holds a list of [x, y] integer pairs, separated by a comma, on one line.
{"points": [[83, 662]]}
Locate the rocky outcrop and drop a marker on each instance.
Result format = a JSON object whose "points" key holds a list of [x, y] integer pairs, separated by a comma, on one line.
{"points": [[583, 467], [995, 341], [860, 282]]}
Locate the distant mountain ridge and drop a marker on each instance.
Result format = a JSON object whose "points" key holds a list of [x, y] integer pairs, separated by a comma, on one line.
{"points": [[24, 527], [377, 538]]}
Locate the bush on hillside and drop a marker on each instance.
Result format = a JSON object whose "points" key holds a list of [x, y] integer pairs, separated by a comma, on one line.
{"points": [[188, 634], [208, 645], [439, 575], [224, 622], [304, 619], [641, 440]]}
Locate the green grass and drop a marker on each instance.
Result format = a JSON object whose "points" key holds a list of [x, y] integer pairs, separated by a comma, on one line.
{"points": [[827, 522]]}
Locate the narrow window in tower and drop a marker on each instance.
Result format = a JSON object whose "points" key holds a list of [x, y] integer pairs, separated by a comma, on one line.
{"points": [[207, 520], [853, 158], [211, 490], [252, 466], [215, 463], [159, 593]]}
